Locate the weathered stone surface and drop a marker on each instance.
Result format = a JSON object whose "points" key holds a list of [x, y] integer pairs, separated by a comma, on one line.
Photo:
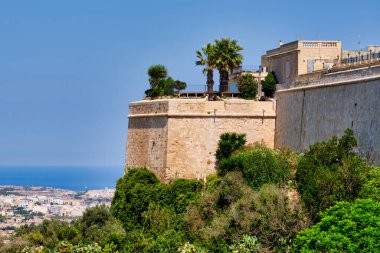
{"points": [[178, 137], [330, 105]]}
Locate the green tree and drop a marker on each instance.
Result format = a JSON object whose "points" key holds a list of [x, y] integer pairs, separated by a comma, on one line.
{"points": [[157, 73], [247, 86], [229, 143], [132, 196], [226, 57], [344, 227], [161, 84], [269, 84], [179, 85], [206, 59], [99, 226], [97, 215], [330, 172]]}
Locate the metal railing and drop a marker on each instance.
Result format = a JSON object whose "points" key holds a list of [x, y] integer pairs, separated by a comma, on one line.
{"points": [[232, 87], [361, 57], [246, 68], [198, 90]]}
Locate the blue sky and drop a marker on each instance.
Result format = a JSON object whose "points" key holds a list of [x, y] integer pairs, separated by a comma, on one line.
{"points": [[68, 69]]}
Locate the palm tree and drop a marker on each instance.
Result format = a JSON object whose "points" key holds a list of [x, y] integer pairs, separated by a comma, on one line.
{"points": [[226, 57], [205, 58]]}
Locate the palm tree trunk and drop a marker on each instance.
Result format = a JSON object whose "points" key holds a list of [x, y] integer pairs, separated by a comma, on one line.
{"points": [[210, 82], [223, 80]]}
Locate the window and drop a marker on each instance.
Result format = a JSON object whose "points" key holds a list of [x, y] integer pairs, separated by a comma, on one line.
{"points": [[287, 69]]}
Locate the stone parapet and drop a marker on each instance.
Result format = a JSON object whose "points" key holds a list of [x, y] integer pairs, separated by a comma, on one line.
{"points": [[201, 107], [343, 77]]}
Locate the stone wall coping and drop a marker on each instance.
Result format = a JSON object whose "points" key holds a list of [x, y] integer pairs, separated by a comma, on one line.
{"points": [[337, 83], [199, 101], [256, 114]]}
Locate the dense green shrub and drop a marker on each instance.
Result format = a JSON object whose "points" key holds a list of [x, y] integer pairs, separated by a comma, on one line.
{"points": [[132, 196], [234, 209], [140, 188], [152, 212], [229, 143], [248, 244], [178, 194], [344, 227], [330, 172], [98, 216], [190, 248], [269, 84], [259, 165], [167, 242], [247, 86], [111, 231], [371, 186]]}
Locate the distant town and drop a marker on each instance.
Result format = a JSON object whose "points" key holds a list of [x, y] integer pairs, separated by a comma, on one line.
{"points": [[22, 205]]}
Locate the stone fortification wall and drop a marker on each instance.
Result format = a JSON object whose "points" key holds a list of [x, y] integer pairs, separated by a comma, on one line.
{"points": [[347, 99], [178, 137]]}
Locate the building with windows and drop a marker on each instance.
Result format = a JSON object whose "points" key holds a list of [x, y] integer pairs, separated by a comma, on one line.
{"points": [[296, 58]]}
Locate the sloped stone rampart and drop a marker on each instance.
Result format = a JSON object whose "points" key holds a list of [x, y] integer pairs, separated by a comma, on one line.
{"points": [[324, 108]]}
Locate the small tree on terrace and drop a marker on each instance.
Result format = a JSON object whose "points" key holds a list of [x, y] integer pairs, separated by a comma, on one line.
{"points": [[161, 84], [179, 85], [247, 87], [157, 73], [269, 84]]}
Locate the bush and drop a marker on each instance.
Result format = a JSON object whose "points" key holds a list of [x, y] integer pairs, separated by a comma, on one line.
{"points": [[110, 232], [179, 194], [152, 212], [247, 87], [344, 227], [235, 209], [229, 143], [98, 216], [248, 244], [167, 242], [269, 84], [371, 186], [259, 165], [330, 172], [132, 196], [156, 73], [161, 84]]}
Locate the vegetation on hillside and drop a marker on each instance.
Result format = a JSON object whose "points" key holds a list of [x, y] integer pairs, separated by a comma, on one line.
{"points": [[260, 200]]}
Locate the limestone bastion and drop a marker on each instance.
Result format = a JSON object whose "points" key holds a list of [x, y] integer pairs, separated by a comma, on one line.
{"points": [[177, 138]]}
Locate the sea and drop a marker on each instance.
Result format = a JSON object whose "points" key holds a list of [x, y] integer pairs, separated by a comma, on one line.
{"points": [[78, 178]]}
